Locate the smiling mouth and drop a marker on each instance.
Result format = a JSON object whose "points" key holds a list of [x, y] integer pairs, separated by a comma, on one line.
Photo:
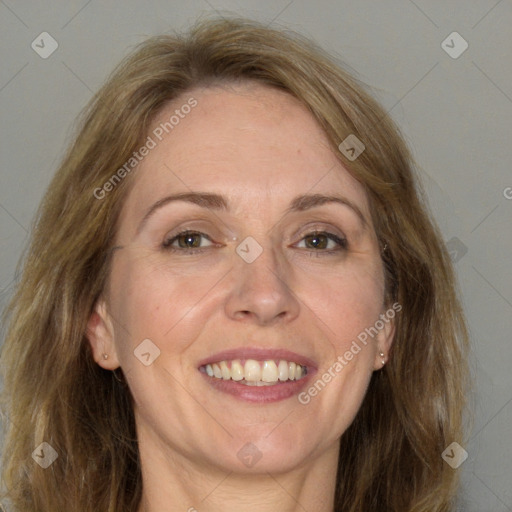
{"points": [[252, 372]]}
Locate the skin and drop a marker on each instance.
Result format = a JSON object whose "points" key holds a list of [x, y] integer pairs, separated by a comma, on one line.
{"points": [[260, 148]]}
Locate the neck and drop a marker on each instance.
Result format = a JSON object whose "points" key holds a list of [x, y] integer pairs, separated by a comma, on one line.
{"points": [[174, 482]]}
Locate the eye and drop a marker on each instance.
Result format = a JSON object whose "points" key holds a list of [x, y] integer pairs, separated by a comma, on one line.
{"points": [[189, 241], [193, 242], [323, 241]]}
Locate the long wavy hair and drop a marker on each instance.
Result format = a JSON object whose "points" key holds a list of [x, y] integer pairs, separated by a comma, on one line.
{"points": [[54, 392]]}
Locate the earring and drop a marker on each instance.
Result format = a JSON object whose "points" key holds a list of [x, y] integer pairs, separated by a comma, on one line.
{"points": [[105, 356], [381, 354]]}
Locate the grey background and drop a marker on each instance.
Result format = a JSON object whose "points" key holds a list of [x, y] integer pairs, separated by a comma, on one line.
{"points": [[455, 113]]}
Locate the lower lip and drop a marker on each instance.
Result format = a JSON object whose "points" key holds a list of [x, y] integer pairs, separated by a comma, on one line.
{"points": [[259, 394]]}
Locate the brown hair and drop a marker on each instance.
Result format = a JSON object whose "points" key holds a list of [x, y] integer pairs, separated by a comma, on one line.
{"points": [[390, 457]]}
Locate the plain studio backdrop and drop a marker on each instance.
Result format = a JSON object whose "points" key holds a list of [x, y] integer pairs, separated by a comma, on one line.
{"points": [[443, 71]]}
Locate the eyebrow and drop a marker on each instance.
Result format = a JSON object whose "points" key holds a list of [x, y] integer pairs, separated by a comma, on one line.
{"points": [[217, 202]]}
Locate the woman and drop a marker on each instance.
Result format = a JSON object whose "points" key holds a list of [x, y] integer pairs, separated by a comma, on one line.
{"points": [[234, 297]]}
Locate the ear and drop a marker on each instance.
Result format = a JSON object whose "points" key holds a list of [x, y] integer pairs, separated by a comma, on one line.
{"points": [[384, 338], [100, 334]]}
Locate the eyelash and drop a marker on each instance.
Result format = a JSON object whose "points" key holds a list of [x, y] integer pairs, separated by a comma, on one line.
{"points": [[342, 243]]}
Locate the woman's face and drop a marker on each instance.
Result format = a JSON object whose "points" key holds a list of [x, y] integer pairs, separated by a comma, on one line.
{"points": [[273, 272]]}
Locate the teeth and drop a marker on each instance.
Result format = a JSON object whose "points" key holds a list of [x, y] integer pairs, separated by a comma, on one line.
{"points": [[269, 372], [252, 370], [216, 371], [291, 371], [237, 371], [256, 373], [283, 370], [258, 383], [224, 370]]}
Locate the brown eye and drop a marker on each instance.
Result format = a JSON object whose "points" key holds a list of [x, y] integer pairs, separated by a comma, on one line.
{"points": [[324, 241], [186, 240]]}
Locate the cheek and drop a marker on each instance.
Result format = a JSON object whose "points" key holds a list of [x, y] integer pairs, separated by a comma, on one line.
{"points": [[345, 303], [151, 301], [171, 306], [351, 305]]}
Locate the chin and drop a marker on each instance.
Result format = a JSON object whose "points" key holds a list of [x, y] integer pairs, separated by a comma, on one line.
{"points": [[264, 453]]}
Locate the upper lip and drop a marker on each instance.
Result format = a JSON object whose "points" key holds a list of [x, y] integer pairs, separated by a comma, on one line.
{"points": [[259, 354]]}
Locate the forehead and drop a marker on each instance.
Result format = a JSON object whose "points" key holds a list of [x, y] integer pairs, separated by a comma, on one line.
{"points": [[257, 145]]}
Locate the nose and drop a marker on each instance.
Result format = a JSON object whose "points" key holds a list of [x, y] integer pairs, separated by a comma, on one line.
{"points": [[262, 291]]}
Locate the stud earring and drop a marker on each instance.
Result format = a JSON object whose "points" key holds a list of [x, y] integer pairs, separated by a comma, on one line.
{"points": [[381, 354], [105, 356]]}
